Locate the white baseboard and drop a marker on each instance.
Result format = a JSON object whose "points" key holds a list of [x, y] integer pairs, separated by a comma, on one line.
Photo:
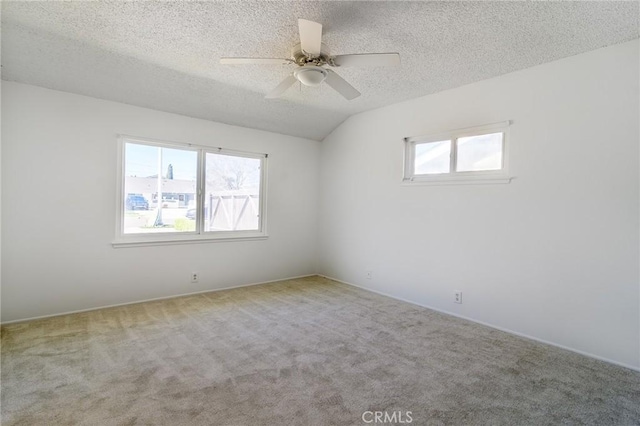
{"points": [[153, 299], [506, 330]]}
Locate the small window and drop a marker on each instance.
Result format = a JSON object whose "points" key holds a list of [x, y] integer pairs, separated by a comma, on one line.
{"points": [[462, 156], [176, 193]]}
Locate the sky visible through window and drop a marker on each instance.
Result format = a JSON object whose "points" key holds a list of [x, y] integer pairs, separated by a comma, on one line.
{"points": [[474, 153], [433, 157], [142, 161], [481, 152]]}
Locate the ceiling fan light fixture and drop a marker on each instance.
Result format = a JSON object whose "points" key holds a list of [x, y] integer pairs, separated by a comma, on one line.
{"points": [[310, 75]]}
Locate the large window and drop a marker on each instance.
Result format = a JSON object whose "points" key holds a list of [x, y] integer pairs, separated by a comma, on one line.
{"points": [[176, 193], [469, 155]]}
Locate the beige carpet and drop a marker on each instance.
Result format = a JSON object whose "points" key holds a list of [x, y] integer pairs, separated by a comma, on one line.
{"points": [[300, 352]]}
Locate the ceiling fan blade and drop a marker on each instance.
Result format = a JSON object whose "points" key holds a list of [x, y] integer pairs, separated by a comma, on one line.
{"points": [[282, 87], [341, 86], [310, 37], [367, 60], [256, 61]]}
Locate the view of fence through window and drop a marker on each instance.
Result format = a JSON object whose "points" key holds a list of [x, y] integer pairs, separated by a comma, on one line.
{"points": [[160, 190], [232, 193]]}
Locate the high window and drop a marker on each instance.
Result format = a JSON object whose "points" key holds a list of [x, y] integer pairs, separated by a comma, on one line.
{"points": [[476, 154], [172, 192]]}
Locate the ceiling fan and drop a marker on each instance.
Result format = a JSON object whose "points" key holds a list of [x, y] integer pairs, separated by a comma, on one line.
{"points": [[312, 58]]}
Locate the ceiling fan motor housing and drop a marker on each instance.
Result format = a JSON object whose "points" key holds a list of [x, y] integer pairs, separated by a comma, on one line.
{"points": [[301, 58]]}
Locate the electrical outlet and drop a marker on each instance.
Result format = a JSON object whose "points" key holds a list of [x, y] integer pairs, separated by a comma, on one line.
{"points": [[369, 275], [194, 277], [457, 297]]}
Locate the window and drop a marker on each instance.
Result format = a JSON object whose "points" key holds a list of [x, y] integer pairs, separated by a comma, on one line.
{"points": [[176, 193], [461, 156]]}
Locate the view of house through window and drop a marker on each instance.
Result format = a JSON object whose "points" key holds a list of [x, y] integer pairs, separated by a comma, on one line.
{"points": [[153, 173], [161, 190]]}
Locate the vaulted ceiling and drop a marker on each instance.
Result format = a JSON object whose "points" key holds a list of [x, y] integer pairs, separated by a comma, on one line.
{"points": [[165, 55]]}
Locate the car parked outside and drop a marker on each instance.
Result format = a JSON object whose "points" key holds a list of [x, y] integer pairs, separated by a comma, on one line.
{"points": [[191, 213], [136, 202]]}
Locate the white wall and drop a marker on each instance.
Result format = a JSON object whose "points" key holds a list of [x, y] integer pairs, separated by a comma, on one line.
{"points": [[553, 255], [58, 199]]}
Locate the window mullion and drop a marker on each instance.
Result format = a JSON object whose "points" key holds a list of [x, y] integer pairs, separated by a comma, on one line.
{"points": [[454, 155], [200, 188]]}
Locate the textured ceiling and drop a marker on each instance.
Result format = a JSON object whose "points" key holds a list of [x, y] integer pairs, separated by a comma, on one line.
{"points": [[164, 55]]}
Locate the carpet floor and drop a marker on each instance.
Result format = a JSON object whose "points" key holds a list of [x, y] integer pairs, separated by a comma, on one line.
{"points": [[300, 352]]}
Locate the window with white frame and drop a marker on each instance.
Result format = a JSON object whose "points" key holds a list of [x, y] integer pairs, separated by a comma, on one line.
{"points": [[475, 154], [173, 192]]}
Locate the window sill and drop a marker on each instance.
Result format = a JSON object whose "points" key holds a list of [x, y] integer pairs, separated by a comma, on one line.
{"points": [[142, 242], [458, 181]]}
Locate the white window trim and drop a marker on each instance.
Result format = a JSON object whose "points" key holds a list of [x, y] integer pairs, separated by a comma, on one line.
{"points": [[453, 177], [199, 236]]}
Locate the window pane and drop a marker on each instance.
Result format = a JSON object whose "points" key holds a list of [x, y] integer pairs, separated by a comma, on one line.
{"points": [[477, 153], [153, 173], [433, 158], [232, 195]]}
